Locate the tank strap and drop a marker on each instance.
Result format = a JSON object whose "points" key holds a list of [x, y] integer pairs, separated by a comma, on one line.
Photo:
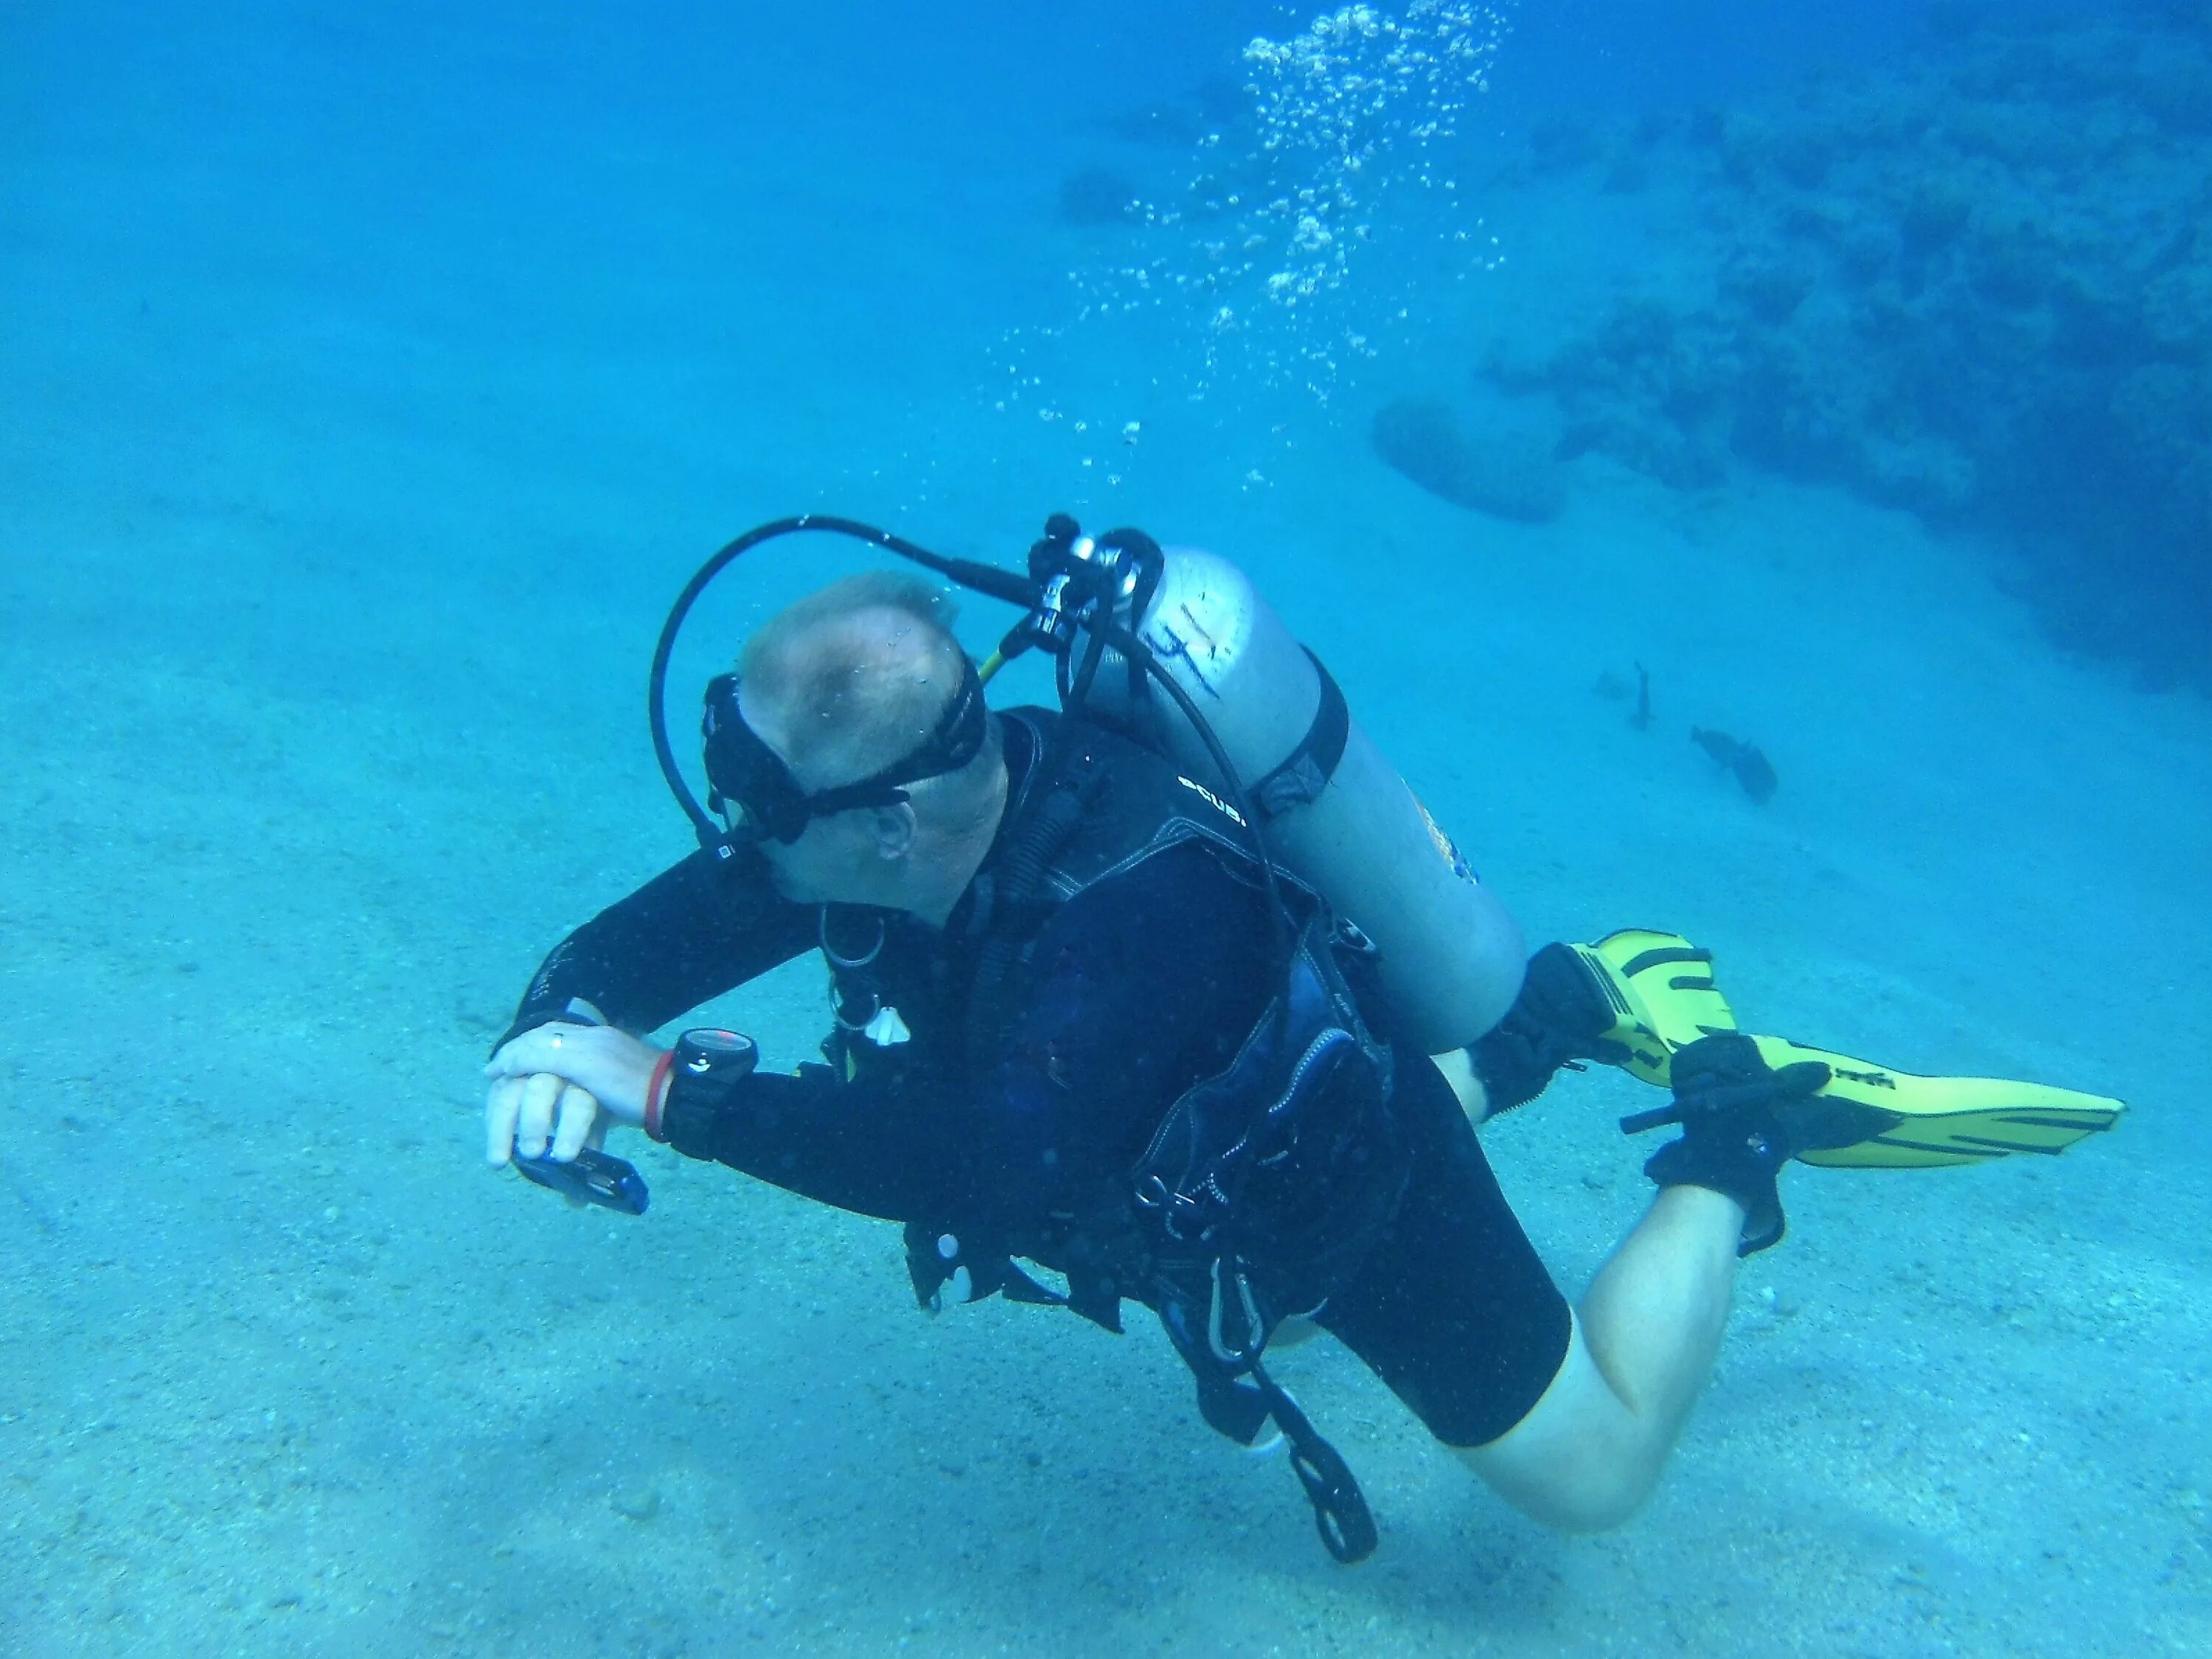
{"points": [[1306, 770]]}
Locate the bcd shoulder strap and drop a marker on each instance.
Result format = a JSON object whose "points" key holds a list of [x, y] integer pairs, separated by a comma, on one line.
{"points": [[1073, 777]]}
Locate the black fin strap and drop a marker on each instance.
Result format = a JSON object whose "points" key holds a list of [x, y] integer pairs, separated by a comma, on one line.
{"points": [[1346, 1525], [1306, 770], [1558, 1019]]}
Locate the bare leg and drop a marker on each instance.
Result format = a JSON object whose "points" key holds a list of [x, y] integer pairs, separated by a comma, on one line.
{"points": [[1591, 1450], [1654, 1315]]}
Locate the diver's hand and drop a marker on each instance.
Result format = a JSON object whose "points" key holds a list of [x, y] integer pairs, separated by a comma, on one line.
{"points": [[565, 1082], [522, 1115]]}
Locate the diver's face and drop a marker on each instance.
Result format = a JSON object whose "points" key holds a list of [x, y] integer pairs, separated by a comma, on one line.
{"points": [[835, 862]]}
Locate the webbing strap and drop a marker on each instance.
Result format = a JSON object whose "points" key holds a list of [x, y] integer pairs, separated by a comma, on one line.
{"points": [[1306, 770], [1346, 1525], [1238, 1401]]}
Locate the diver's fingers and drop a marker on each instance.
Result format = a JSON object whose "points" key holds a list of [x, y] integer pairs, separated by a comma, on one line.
{"points": [[613, 1064], [555, 1047], [540, 1094], [502, 1106], [578, 1112], [597, 1138], [549, 1048]]}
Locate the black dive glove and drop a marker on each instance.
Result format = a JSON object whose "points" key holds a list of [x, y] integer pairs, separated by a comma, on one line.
{"points": [[1742, 1121], [1558, 1020]]}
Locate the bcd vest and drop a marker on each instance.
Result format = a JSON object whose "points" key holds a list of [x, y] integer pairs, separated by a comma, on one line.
{"points": [[1263, 1186]]}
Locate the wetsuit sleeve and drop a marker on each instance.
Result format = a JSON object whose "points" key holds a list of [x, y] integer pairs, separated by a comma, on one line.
{"points": [[687, 936], [1141, 986], [867, 1146]]}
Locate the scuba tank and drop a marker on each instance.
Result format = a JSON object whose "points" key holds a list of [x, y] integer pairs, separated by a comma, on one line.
{"points": [[1337, 815]]}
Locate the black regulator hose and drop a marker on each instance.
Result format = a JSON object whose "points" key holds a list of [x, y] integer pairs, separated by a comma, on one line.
{"points": [[1007, 585], [1013, 588]]}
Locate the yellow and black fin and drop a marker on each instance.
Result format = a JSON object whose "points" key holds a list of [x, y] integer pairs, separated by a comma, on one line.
{"points": [[1660, 989], [1926, 1122]]}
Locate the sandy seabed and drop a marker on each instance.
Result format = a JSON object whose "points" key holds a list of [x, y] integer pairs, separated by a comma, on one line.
{"points": [[323, 640]]}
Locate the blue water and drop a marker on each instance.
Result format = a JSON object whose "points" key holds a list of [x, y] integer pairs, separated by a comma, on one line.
{"points": [[370, 379]]}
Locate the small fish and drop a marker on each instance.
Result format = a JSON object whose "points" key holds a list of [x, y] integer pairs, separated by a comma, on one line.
{"points": [[1752, 769], [1641, 720]]}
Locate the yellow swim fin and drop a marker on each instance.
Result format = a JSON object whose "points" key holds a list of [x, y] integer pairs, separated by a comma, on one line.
{"points": [[1660, 989], [1924, 1122]]}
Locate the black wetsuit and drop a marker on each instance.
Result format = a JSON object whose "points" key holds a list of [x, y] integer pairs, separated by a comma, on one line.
{"points": [[1143, 983]]}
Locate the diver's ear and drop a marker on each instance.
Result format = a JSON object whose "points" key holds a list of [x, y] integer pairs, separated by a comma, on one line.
{"points": [[893, 828]]}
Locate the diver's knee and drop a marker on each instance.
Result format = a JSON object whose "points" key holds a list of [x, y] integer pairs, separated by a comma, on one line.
{"points": [[1579, 1503]]}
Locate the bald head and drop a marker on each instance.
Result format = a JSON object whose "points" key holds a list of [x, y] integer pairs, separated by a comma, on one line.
{"points": [[852, 678]]}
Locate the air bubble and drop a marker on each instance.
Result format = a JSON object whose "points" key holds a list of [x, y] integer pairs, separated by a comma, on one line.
{"points": [[1279, 253]]}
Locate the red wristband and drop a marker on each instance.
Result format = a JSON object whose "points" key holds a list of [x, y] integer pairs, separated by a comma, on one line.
{"points": [[655, 1092]]}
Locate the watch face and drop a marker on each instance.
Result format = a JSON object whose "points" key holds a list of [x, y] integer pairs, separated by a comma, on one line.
{"points": [[709, 1051]]}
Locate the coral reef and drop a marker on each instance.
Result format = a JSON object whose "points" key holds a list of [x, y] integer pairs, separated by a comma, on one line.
{"points": [[1509, 472], [1979, 289]]}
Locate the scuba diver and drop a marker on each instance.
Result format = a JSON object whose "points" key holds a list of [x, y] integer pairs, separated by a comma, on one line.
{"points": [[1175, 994]]}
